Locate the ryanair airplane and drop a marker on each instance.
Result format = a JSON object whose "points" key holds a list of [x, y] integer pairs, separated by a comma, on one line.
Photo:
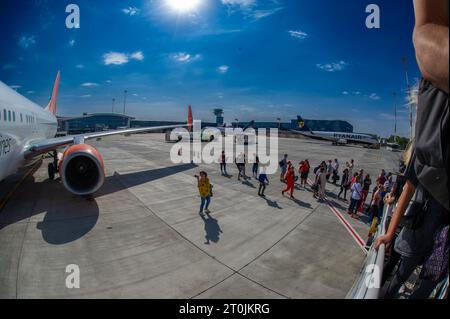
{"points": [[338, 138]]}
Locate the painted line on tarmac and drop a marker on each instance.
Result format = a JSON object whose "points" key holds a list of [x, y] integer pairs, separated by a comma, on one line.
{"points": [[358, 239], [4, 200]]}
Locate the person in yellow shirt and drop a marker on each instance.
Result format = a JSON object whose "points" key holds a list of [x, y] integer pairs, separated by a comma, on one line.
{"points": [[205, 190]]}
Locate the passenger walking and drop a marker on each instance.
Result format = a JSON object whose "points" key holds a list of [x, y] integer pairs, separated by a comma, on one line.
{"points": [[374, 216], [365, 192], [329, 170], [255, 167], [308, 170], [335, 177], [381, 178], [240, 166], [322, 183], [345, 184], [350, 166], [303, 170], [355, 199], [263, 182], [223, 164], [290, 181], [205, 190], [283, 165]]}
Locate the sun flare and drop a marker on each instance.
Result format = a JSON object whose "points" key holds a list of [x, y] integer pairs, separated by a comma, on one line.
{"points": [[183, 5]]}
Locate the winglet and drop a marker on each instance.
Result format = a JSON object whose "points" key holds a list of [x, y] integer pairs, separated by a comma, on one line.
{"points": [[190, 121], [51, 107]]}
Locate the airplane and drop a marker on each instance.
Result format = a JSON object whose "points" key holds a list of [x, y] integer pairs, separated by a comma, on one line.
{"points": [[27, 134], [338, 138]]}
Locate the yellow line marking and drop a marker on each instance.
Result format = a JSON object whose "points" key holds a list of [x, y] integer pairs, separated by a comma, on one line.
{"points": [[8, 196]]}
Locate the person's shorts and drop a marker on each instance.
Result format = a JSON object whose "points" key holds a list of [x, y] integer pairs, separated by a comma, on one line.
{"points": [[304, 175], [284, 169]]}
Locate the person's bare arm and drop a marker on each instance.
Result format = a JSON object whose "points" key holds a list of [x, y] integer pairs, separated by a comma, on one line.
{"points": [[431, 41], [405, 198]]}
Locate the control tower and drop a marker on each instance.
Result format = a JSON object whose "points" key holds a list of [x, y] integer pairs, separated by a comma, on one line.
{"points": [[219, 116]]}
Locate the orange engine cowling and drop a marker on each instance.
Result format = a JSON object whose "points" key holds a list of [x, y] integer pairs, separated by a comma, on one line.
{"points": [[82, 169]]}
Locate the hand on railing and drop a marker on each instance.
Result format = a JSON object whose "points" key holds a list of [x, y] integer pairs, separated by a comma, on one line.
{"points": [[383, 240]]}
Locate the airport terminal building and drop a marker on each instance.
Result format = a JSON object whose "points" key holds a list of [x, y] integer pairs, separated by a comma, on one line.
{"points": [[112, 121]]}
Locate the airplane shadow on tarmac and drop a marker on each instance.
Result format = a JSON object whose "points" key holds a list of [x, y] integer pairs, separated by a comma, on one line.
{"points": [[138, 178], [69, 217]]}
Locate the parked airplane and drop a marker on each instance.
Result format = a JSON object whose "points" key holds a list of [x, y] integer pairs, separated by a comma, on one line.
{"points": [[338, 138], [27, 133]]}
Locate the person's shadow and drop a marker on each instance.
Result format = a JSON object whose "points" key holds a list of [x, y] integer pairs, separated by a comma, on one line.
{"points": [[273, 203], [212, 229]]}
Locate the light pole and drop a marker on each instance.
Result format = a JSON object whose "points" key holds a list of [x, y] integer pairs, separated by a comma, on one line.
{"points": [[237, 122], [410, 102], [113, 104], [124, 101], [394, 94], [279, 123]]}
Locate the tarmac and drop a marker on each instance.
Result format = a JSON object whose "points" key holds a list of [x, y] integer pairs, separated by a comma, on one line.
{"points": [[141, 235]]}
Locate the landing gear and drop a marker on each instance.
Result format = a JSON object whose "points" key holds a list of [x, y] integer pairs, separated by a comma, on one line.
{"points": [[51, 171], [53, 167]]}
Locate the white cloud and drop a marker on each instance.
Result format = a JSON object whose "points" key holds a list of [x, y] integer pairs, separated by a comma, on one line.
{"points": [[186, 57], [119, 58], [139, 56], [374, 97], [89, 85], [259, 14], [239, 3], [15, 87], [72, 43], [115, 58], [223, 69], [131, 11], [86, 96], [298, 34], [26, 42], [31, 92], [333, 67], [345, 93], [79, 66], [252, 9]]}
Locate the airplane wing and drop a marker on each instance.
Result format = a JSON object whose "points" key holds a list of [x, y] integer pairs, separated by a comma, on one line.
{"points": [[48, 145]]}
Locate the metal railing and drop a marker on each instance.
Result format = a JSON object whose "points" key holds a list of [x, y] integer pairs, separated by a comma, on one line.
{"points": [[368, 284]]}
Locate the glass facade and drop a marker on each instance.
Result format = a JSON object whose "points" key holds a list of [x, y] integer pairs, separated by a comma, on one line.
{"points": [[93, 123]]}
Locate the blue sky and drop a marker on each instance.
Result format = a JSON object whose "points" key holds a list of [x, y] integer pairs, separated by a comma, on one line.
{"points": [[256, 59]]}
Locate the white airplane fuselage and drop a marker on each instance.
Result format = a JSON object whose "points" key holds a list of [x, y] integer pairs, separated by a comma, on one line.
{"points": [[22, 122], [344, 138]]}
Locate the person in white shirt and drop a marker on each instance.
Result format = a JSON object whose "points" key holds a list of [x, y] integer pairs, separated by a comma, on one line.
{"points": [[322, 178], [356, 198]]}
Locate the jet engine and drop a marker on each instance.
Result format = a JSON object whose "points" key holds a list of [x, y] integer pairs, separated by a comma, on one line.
{"points": [[82, 169]]}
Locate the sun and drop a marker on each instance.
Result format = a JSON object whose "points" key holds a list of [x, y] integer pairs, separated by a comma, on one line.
{"points": [[183, 5]]}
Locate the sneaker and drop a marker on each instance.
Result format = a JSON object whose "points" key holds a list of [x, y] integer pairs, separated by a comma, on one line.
{"points": [[207, 211]]}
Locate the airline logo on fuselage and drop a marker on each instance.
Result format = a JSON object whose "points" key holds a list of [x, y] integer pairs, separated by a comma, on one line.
{"points": [[5, 145], [350, 136]]}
